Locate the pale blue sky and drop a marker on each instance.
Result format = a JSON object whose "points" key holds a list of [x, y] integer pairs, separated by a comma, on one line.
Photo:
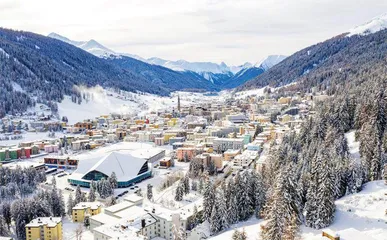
{"points": [[194, 30]]}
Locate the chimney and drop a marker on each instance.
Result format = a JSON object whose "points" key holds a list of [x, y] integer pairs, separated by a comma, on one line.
{"points": [[142, 223]]}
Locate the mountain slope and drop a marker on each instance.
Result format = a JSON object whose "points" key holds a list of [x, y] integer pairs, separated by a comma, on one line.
{"points": [[48, 69], [243, 76], [161, 76], [270, 61], [191, 74], [374, 25], [333, 60], [90, 46]]}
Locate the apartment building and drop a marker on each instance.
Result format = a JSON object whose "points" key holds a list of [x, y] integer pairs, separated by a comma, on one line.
{"points": [[84, 210], [45, 228], [223, 144]]}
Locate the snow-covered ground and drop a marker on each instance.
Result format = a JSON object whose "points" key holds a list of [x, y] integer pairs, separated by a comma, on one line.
{"points": [[30, 136], [362, 213], [247, 93], [352, 144], [105, 102]]}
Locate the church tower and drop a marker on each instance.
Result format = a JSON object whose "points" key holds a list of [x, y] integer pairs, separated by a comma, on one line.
{"points": [[178, 103]]}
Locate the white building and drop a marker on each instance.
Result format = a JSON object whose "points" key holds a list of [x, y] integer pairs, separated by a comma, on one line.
{"points": [[223, 144]]}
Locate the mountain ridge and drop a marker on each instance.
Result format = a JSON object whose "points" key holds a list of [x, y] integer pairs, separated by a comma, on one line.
{"points": [[217, 74]]}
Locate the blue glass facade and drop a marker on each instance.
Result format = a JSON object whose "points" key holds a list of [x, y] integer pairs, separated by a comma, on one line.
{"points": [[137, 179]]}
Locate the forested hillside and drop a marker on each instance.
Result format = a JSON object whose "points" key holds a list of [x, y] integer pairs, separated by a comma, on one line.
{"points": [[46, 69], [341, 60], [162, 76], [308, 171]]}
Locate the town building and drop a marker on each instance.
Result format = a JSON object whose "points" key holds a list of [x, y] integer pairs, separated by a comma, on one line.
{"points": [[83, 210], [128, 169], [44, 228]]}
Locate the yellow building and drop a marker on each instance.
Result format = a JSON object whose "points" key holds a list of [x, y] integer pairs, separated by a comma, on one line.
{"points": [[167, 136], [85, 209], [139, 122], [47, 228], [172, 122], [156, 126], [284, 100]]}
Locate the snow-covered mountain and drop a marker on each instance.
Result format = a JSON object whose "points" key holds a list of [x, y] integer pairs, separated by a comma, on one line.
{"points": [[182, 65], [374, 25], [218, 74], [90, 46], [269, 61]]}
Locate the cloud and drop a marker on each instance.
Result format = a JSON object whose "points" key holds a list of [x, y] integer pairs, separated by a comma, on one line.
{"points": [[195, 30]]}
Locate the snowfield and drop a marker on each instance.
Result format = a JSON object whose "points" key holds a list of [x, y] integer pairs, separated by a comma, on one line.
{"points": [[376, 24], [357, 215], [106, 102]]}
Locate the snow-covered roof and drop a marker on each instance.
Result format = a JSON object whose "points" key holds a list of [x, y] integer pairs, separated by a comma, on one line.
{"points": [[125, 165], [146, 153], [119, 207], [49, 221], [104, 218], [84, 205]]}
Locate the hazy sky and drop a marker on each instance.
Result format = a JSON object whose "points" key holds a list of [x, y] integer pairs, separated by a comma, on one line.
{"points": [[194, 30]]}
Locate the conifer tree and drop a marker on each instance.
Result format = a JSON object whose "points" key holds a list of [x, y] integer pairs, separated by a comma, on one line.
{"points": [[113, 180], [92, 195], [186, 184], [149, 192], [70, 205], [208, 200], [179, 192], [78, 195]]}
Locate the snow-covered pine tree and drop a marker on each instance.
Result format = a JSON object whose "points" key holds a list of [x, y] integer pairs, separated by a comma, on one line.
{"points": [[244, 203], [215, 221], [55, 203], [195, 217], [233, 215], [275, 226], [62, 205], [325, 194], [149, 192], [70, 205], [292, 229], [6, 212], [320, 204], [222, 208], [113, 180], [4, 231], [201, 185], [186, 184], [53, 181], [105, 187], [111, 201], [194, 185], [311, 196], [92, 194], [239, 235], [78, 195], [208, 200], [179, 192]]}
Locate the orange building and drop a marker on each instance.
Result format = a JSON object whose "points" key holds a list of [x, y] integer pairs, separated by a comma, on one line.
{"points": [[183, 153]]}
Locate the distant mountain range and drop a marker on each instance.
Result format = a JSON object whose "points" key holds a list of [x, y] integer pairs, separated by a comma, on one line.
{"points": [[221, 75], [340, 60]]}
